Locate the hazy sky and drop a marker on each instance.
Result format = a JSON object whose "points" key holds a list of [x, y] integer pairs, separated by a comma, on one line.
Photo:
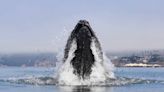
{"points": [[35, 25]]}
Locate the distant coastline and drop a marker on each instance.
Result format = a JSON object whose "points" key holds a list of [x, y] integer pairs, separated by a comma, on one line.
{"points": [[152, 58]]}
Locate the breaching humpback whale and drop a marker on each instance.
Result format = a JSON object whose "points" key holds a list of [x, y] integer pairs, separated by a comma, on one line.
{"points": [[83, 57]]}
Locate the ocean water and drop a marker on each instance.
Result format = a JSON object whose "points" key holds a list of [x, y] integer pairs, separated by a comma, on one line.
{"points": [[17, 79]]}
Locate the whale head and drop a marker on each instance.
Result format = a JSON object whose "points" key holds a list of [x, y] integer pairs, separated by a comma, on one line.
{"points": [[84, 57]]}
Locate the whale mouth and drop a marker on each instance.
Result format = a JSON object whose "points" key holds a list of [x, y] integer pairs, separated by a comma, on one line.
{"points": [[84, 58]]}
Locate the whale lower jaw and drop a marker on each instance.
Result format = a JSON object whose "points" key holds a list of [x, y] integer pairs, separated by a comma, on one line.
{"points": [[97, 75]]}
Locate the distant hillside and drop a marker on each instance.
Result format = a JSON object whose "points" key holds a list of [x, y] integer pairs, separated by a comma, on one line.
{"points": [[49, 59], [30, 59], [151, 57]]}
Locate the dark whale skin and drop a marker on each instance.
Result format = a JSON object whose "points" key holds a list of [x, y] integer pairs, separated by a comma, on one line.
{"points": [[84, 59]]}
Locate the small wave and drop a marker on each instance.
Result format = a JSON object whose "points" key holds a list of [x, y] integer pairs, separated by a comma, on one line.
{"points": [[118, 81], [33, 81]]}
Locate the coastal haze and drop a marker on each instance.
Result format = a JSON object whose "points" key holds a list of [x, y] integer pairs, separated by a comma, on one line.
{"points": [[33, 32], [34, 26]]}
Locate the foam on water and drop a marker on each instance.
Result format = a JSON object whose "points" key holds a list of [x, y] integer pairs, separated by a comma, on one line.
{"points": [[118, 81]]}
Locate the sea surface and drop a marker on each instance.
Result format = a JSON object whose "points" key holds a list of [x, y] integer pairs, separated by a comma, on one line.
{"points": [[32, 79]]}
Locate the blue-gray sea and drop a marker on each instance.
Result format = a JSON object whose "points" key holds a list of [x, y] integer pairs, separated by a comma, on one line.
{"points": [[18, 79]]}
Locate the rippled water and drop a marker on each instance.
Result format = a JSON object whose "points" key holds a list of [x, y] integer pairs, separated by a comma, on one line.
{"points": [[14, 79]]}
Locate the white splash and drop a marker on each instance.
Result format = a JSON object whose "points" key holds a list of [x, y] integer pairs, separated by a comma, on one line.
{"points": [[101, 69], [60, 40], [66, 76]]}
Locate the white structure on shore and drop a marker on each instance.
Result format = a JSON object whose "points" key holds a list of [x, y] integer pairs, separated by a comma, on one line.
{"points": [[141, 65]]}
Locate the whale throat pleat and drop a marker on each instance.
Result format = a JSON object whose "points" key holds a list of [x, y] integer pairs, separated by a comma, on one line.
{"points": [[84, 59]]}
